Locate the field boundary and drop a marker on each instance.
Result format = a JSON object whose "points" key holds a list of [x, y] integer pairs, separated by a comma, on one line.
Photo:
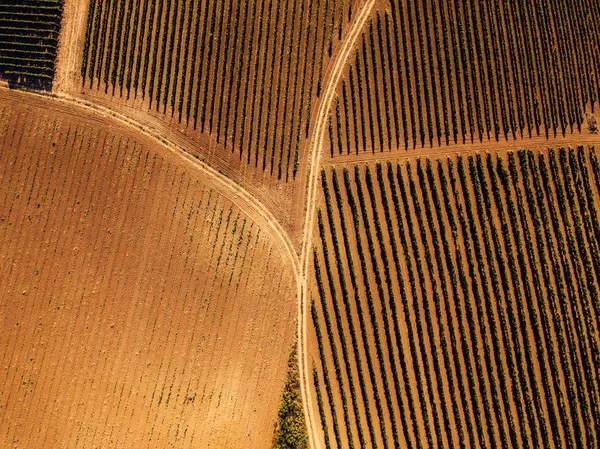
{"points": [[236, 193], [502, 146]]}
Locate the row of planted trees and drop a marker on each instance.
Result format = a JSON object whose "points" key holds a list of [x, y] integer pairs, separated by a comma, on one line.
{"points": [[247, 72], [29, 41], [435, 73], [459, 306]]}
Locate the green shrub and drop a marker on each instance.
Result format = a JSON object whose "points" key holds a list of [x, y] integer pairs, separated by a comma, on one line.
{"points": [[290, 430]]}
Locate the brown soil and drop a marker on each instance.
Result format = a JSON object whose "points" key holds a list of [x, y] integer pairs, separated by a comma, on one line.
{"points": [[70, 47], [140, 306]]}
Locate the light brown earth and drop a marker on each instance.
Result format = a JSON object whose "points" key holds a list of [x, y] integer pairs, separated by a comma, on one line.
{"points": [[140, 306], [70, 45], [502, 146]]}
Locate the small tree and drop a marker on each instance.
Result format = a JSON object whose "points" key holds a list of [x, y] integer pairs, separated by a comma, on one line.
{"points": [[290, 430], [592, 123]]}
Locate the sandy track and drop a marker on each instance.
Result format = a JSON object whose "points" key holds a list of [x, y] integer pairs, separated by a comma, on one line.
{"points": [[240, 197], [314, 162], [502, 146], [70, 46]]}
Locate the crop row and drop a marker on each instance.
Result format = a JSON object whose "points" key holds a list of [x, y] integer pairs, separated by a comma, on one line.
{"points": [[243, 71], [28, 42], [435, 73], [474, 281]]}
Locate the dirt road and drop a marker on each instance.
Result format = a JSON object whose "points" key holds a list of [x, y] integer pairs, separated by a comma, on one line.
{"points": [[314, 162], [241, 198], [539, 142], [70, 46]]}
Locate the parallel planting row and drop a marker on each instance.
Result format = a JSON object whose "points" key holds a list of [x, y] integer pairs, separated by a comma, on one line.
{"points": [[456, 302], [28, 41], [139, 303], [433, 72], [245, 71]]}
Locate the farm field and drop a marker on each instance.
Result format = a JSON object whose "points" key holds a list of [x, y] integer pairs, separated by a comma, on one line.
{"points": [[435, 73], [233, 83], [29, 41], [139, 305], [319, 224], [454, 301], [241, 78]]}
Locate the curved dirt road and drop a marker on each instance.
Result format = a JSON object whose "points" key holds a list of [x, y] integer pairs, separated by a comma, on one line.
{"points": [[314, 162], [244, 200]]}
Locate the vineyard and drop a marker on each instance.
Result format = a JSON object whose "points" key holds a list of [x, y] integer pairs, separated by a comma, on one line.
{"points": [[246, 73], [139, 305], [455, 302], [29, 41], [432, 73], [335, 224]]}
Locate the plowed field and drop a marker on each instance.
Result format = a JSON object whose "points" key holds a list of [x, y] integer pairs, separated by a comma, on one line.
{"points": [[139, 307]]}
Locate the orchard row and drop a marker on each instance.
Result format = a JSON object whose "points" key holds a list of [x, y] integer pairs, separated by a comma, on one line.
{"points": [[456, 302], [29, 41], [432, 73], [246, 72]]}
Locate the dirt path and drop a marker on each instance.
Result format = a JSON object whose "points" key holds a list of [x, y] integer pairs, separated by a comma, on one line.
{"points": [[314, 163], [70, 47], [237, 194], [538, 142]]}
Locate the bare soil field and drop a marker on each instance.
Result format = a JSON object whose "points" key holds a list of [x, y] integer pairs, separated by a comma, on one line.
{"points": [[70, 45], [455, 301], [139, 306]]}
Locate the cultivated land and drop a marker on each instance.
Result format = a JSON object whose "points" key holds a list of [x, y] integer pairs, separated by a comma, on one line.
{"points": [[209, 177], [140, 306], [29, 41], [177, 58], [239, 82], [454, 282], [455, 301], [441, 72]]}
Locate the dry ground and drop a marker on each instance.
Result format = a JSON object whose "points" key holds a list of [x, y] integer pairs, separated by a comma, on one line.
{"points": [[139, 307]]}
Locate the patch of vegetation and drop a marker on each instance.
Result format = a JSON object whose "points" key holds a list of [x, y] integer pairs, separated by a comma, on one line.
{"points": [[290, 430], [28, 42]]}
